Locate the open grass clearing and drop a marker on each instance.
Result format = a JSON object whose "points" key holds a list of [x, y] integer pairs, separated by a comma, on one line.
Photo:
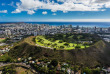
{"points": [[58, 44]]}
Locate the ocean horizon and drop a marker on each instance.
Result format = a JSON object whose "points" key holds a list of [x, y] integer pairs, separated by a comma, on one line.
{"points": [[84, 24]]}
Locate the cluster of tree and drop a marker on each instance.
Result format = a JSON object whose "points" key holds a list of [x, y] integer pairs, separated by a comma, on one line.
{"points": [[50, 69], [69, 37], [9, 69], [77, 47], [28, 50], [66, 44], [91, 71], [5, 58], [60, 41]]}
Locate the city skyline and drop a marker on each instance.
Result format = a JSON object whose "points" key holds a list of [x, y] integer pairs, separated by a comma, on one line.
{"points": [[55, 10]]}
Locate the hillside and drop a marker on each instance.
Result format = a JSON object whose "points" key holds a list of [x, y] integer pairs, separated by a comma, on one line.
{"points": [[97, 54]]}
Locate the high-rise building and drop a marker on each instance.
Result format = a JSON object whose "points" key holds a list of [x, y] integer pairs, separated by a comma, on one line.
{"points": [[35, 33], [77, 27], [109, 29], [7, 32]]}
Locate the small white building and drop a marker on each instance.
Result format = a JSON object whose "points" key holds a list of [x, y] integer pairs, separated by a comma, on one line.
{"points": [[0, 72]]}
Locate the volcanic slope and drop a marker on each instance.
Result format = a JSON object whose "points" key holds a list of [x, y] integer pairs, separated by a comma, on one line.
{"points": [[97, 54]]}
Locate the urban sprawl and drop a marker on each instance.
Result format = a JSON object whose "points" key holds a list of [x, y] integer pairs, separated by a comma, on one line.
{"points": [[14, 32], [17, 31]]}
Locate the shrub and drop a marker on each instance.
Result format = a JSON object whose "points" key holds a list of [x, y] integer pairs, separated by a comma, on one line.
{"points": [[87, 70], [54, 62], [86, 43], [61, 46], [66, 44], [77, 47], [60, 41], [9, 69]]}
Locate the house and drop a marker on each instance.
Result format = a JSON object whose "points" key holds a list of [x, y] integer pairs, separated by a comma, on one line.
{"points": [[19, 59], [0, 72], [48, 62], [36, 60], [108, 69], [33, 61], [69, 71], [38, 63], [65, 64], [30, 61], [1, 54], [63, 69], [59, 67], [29, 58]]}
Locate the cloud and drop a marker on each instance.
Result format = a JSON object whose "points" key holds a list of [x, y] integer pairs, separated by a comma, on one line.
{"points": [[16, 11], [3, 11], [44, 12], [31, 6], [102, 1], [31, 12], [60, 0], [11, 4], [3, 4], [54, 14]]}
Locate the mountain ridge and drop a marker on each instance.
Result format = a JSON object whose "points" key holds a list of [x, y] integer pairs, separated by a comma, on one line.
{"points": [[97, 54]]}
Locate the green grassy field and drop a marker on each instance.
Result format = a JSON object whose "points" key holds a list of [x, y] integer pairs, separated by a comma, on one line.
{"points": [[2, 39], [58, 44], [5, 58], [20, 70]]}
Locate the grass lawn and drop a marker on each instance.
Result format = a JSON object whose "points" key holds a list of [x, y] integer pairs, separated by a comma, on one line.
{"points": [[58, 44], [20, 70], [2, 39]]}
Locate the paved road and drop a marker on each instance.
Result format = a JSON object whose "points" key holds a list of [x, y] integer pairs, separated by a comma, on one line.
{"points": [[44, 46], [22, 64]]}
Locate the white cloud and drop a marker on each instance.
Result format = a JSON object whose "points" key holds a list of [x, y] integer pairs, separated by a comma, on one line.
{"points": [[54, 14], [67, 5], [61, 0], [3, 11], [16, 11], [11, 4], [3, 4], [44, 12], [31, 12]]}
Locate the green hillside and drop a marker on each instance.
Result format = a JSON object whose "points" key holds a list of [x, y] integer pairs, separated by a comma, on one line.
{"points": [[97, 54], [67, 41]]}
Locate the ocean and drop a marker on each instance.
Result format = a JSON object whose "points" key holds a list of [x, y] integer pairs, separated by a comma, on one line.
{"points": [[84, 24]]}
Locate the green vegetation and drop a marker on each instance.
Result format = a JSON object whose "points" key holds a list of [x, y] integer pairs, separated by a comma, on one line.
{"points": [[5, 58], [27, 48], [21, 70], [91, 71], [66, 41], [15, 69], [49, 69], [8, 69], [54, 62], [2, 39]]}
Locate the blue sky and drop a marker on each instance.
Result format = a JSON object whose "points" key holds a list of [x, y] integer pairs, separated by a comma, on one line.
{"points": [[54, 10]]}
